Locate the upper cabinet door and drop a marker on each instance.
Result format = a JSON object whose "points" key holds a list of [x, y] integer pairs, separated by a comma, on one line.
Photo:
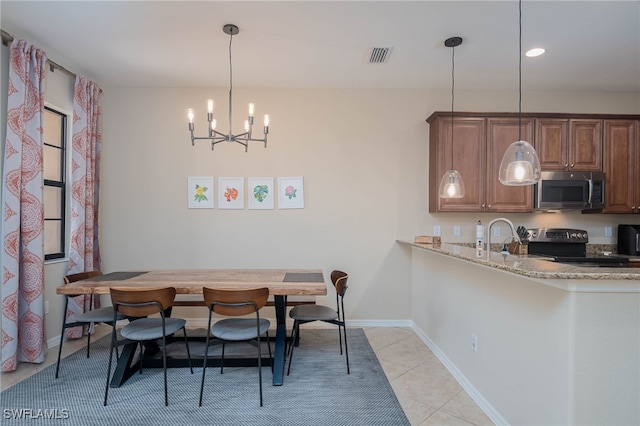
{"points": [[469, 148], [622, 158], [502, 132], [552, 143], [585, 148]]}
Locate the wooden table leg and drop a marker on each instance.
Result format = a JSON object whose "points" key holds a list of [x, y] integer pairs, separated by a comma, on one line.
{"points": [[281, 340]]}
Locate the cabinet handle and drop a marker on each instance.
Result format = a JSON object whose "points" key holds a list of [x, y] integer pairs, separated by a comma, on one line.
{"points": [[489, 205], [572, 165], [566, 165], [483, 206]]}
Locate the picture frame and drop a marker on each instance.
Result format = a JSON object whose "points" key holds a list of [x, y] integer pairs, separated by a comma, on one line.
{"points": [[200, 192], [261, 193], [231, 193], [291, 192]]}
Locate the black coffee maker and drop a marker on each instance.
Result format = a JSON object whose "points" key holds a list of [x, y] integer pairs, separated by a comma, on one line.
{"points": [[629, 240]]}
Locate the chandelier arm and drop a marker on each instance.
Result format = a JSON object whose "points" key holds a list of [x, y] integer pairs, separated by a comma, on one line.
{"points": [[212, 138]]}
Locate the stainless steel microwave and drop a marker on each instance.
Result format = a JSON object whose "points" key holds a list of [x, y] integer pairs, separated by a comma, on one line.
{"points": [[569, 191]]}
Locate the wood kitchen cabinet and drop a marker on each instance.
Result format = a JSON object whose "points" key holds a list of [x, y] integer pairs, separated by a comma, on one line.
{"points": [[469, 158], [565, 144], [621, 166], [478, 146], [502, 132]]}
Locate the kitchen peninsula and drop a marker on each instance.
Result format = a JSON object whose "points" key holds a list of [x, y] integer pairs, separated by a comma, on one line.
{"points": [[554, 343]]}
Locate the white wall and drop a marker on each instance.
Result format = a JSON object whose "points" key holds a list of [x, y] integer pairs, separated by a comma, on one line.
{"points": [[363, 155]]}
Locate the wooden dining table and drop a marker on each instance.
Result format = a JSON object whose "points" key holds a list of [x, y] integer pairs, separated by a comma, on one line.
{"points": [[280, 282]]}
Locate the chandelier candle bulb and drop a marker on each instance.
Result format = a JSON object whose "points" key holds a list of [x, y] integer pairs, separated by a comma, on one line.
{"points": [[266, 121], [251, 110], [210, 105]]}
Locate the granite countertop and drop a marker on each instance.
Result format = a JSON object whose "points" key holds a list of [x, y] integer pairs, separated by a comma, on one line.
{"points": [[533, 266]]}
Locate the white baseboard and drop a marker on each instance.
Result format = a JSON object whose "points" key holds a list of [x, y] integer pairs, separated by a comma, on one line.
{"points": [[484, 405]]}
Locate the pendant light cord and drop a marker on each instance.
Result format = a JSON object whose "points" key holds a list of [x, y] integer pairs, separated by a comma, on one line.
{"points": [[453, 83], [520, 72]]}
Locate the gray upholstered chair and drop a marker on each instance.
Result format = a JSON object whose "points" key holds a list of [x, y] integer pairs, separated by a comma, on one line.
{"points": [[233, 303], [308, 313], [93, 316], [137, 305]]}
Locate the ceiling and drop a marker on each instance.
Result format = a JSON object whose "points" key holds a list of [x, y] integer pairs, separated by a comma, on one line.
{"points": [[591, 45]]}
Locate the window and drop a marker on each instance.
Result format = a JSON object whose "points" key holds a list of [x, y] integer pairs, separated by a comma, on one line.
{"points": [[54, 158]]}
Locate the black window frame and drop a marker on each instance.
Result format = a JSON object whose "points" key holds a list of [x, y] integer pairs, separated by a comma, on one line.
{"points": [[61, 253]]}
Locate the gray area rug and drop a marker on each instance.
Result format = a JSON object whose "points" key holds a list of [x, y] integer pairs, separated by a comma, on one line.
{"points": [[317, 392]]}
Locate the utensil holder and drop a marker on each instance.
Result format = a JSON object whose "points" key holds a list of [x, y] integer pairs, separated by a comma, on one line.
{"points": [[518, 249]]}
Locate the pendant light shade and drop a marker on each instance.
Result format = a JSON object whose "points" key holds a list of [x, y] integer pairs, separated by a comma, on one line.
{"points": [[520, 165], [451, 184]]}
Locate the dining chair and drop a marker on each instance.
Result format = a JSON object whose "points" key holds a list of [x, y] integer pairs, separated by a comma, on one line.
{"points": [[308, 313], [234, 303], [92, 316], [138, 305]]}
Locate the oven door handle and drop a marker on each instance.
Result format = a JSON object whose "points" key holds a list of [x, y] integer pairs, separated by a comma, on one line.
{"points": [[590, 191]]}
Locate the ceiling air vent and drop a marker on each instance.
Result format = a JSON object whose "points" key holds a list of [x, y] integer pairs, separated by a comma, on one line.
{"points": [[379, 55]]}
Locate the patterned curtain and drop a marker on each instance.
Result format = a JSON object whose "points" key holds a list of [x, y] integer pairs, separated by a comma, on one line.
{"points": [[23, 333], [84, 254]]}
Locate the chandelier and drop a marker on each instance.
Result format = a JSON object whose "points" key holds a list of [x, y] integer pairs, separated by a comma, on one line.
{"points": [[215, 136]]}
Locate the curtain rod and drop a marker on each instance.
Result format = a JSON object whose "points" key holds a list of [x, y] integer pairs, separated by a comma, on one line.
{"points": [[8, 38]]}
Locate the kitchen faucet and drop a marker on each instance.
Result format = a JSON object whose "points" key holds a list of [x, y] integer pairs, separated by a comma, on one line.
{"points": [[514, 234]]}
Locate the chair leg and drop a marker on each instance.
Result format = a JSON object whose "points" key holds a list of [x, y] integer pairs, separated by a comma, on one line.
{"points": [[294, 334], [64, 327], [346, 349], [60, 349], [141, 358], [164, 367], [90, 325], [222, 358], [340, 336], [88, 338], [186, 343], [106, 389], [204, 364], [260, 369]]}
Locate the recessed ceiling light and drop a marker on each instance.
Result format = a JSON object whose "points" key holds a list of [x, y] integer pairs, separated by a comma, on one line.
{"points": [[535, 52]]}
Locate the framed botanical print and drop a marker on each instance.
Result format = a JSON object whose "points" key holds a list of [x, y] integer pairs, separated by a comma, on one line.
{"points": [[231, 193], [200, 192], [261, 193], [290, 193]]}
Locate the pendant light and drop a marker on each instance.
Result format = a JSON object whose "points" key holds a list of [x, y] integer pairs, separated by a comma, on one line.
{"points": [[520, 164], [451, 184]]}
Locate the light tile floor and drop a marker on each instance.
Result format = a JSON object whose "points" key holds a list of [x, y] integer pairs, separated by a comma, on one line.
{"points": [[426, 390]]}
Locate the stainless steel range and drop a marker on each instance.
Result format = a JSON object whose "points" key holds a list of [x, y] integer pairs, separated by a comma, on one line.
{"points": [[566, 245]]}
